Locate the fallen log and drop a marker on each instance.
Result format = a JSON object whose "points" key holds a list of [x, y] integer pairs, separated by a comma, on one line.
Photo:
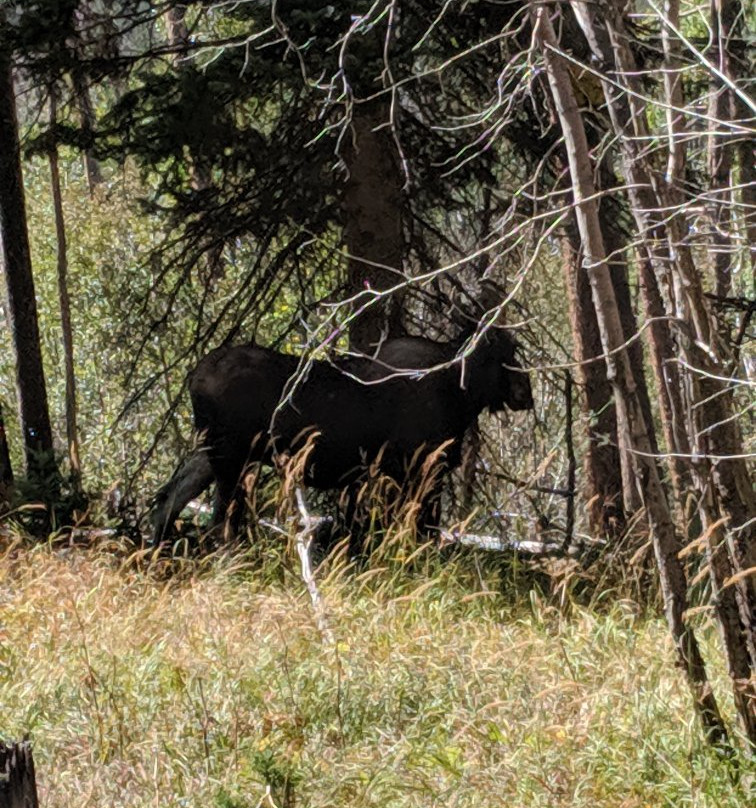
{"points": [[501, 545]]}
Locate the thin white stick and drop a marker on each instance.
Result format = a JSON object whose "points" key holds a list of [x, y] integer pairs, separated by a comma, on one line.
{"points": [[304, 539]]}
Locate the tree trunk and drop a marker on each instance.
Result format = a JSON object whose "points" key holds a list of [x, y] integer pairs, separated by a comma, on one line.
{"points": [[610, 489], [213, 267], [630, 416], [72, 433], [720, 145], [602, 487], [18, 785], [22, 305], [6, 469], [178, 38], [84, 107], [373, 226], [87, 120], [704, 405], [615, 243], [662, 231], [664, 356]]}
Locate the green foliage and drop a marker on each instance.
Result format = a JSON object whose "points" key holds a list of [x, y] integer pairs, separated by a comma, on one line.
{"points": [[57, 498], [146, 301]]}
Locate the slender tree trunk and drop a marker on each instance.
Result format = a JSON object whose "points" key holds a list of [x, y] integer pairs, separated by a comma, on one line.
{"points": [[664, 361], [661, 224], [741, 656], [72, 433], [87, 119], [630, 415], [178, 37], [611, 492], [615, 243], [602, 488], [85, 109], [6, 469], [22, 305], [669, 379], [721, 145], [747, 183]]}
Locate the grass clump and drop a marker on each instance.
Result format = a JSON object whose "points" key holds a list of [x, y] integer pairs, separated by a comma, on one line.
{"points": [[215, 688]]}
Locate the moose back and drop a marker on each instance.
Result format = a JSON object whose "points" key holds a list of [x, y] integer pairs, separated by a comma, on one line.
{"points": [[390, 412]]}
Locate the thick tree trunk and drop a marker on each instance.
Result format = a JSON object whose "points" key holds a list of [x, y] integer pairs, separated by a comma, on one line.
{"points": [[630, 416], [213, 268], [373, 226], [72, 432], [22, 305]]}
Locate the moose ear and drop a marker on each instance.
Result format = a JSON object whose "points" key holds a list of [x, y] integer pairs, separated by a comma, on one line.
{"points": [[491, 297], [462, 313]]}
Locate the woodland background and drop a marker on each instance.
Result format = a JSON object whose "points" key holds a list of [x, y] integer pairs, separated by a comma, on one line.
{"points": [[208, 171]]}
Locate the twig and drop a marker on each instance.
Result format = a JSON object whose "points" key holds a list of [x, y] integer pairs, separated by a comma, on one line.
{"points": [[309, 525]]}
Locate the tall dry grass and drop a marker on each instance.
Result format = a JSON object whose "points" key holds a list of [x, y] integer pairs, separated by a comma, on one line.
{"points": [[211, 686]]}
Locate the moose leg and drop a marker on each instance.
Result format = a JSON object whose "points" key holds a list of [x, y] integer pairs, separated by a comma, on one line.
{"points": [[429, 514], [229, 504], [187, 483], [353, 524]]}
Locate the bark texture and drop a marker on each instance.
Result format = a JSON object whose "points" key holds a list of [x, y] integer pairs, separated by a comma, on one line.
{"points": [[721, 145], [213, 267], [373, 226], [712, 424], [602, 489], [72, 432], [6, 469], [664, 361], [84, 20], [630, 415], [22, 305]]}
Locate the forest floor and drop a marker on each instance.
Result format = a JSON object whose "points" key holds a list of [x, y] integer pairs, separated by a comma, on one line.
{"points": [[209, 684]]}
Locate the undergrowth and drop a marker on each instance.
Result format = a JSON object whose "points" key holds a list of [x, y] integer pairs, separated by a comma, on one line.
{"points": [[207, 683]]}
